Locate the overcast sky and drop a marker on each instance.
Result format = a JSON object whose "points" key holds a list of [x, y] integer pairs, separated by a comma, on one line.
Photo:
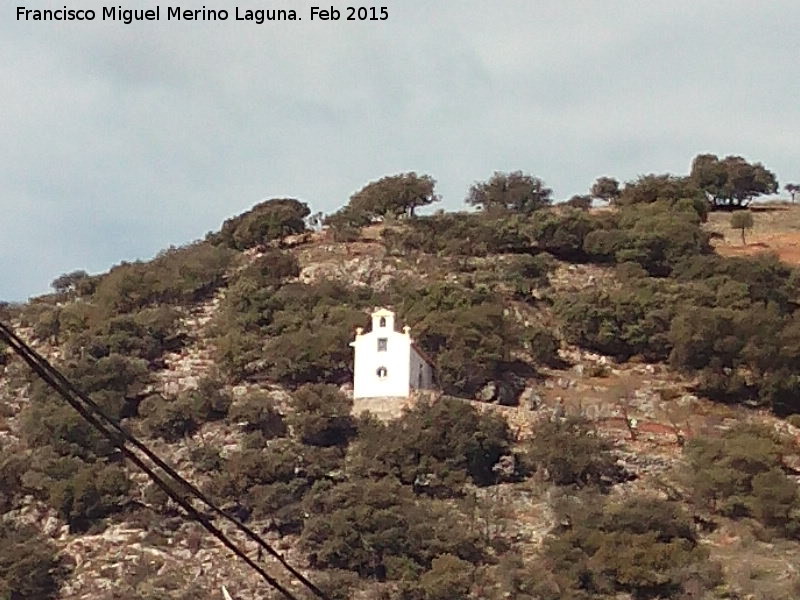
{"points": [[118, 141]]}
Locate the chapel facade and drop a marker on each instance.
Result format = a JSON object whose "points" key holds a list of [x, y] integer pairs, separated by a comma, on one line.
{"points": [[387, 362]]}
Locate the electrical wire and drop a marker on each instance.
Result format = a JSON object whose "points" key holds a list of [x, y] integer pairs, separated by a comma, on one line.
{"points": [[112, 430]]}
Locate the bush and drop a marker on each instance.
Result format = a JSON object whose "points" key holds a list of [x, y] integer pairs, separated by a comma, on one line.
{"points": [[435, 447], [367, 526], [659, 236], [449, 578], [173, 419], [170, 420], [307, 328], [620, 322], [321, 416], [69, 282], [12, 466], [115, 383], [394, 195], [176, 276], [648, 189], [466, 332], [647, 548], [562, 233], [525, 273], [257, 413], [29, 565], [515, 192], [741, 475], [542, 345], [569, 453], [270, 481], [267, 221], [92, 493], [145, 334], [455, 234], [82, 492]]}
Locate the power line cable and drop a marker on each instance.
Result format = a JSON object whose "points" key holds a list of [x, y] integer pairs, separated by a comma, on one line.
{"points": [[163, 465], [94, 414]]}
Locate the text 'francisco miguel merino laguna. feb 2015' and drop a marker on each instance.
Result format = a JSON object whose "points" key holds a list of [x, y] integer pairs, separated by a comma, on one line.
{"points": [[177, 13]]}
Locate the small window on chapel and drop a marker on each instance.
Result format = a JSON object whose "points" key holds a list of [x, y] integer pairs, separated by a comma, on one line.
{"points": [[382, 322], [382, 372], [382, 344]]}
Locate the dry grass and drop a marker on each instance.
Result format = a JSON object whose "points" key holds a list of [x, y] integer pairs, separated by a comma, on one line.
{"points": [[776, 230]]}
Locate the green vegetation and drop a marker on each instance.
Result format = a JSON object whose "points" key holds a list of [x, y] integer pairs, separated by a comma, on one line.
{"points": [[434, 502], [515, 192], [568, 452], [731, 182], [435, 447], [644, 547], [742, 474], [394, 196], [742, 221], [266, 222], [605, 188], [379, 529], [177, 276], [29, 566]]}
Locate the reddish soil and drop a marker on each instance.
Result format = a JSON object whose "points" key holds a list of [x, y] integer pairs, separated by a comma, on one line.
{"points": [[785, 245]]}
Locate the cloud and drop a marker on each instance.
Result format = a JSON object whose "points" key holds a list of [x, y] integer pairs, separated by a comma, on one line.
{"points": [[120, 140]]}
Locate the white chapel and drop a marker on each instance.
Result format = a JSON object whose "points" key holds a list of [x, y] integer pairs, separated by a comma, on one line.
{"points": [[387, 362]]}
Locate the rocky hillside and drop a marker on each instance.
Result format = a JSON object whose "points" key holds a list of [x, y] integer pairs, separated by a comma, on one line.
{"points": [[593, 435]]}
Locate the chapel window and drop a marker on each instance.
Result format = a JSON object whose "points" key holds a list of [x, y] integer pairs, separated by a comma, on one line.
{"points": [[382, 322], [382, 344], [382, 372]]}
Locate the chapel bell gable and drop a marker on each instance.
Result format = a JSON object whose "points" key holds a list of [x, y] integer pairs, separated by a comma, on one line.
{"points": [[382, 321]]}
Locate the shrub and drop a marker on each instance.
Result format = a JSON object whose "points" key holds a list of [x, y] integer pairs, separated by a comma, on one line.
{"points": [[542, 345], [620, 323], [82, 492], [435, 447], [526, 273], [307, 328], [362, 526], [562, 233], [514, 192], [648, 189], [170, 420], [570, 453], [267, 221], [210, 402], [452, 234], [321, 416], [115, 383], [647, 548], [176, 276], [12, 466], [145, 334], [206, 459], [270, 481], [449, 578], [580, 202], [29, 564], [69, 282], [465, 331], [257, 413], [92, 493], [395, 195], [741, 475]]}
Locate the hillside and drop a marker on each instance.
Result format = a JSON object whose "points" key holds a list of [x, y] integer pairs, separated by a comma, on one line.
{"points": [[616, 416], [776, 229]]}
